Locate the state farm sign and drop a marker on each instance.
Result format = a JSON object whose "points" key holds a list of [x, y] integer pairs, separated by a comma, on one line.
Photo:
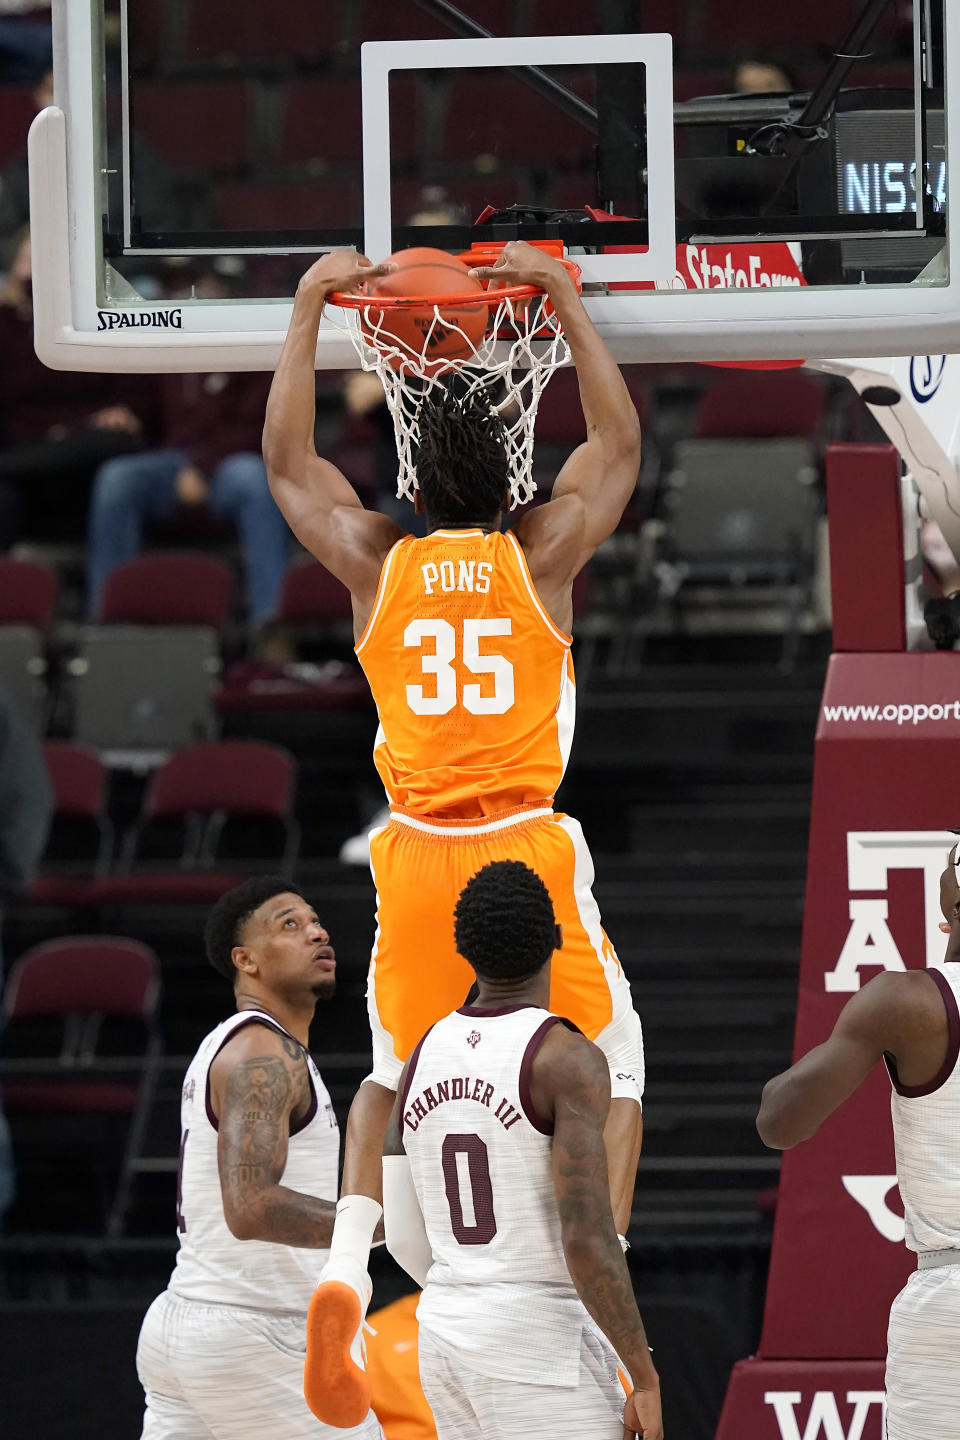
{"points": [[735, 267]]}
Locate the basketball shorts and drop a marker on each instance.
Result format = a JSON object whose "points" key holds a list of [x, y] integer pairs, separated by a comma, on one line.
{"points": [[416, 976], [468, 1405], [218, 1372], [923, 1342]]}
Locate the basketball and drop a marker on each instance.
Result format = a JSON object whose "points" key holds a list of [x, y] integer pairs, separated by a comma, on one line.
{"points": [[426, 272]]}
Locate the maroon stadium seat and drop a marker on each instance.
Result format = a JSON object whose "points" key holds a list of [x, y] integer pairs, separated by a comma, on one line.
{"points": [[197, 791], [817, 24], [80, 984], [287, 205], [500, 115], [283, 29], [199, 126], [28, 593], [761, 407], [81, 840], [168, 589], [312, 596], [322, 119], [17, 109]]}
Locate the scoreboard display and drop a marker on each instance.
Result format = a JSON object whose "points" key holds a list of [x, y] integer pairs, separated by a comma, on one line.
{"points": [[876, 162]]}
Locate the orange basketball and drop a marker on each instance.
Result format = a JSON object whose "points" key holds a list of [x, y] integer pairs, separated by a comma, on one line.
{"points": [[424, 272]]}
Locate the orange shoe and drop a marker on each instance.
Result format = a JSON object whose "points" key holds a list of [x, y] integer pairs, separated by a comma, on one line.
{"points": [[335, 1383]]}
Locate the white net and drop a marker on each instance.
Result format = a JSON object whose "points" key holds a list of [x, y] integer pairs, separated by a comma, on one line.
{"points": [[512, 363]]}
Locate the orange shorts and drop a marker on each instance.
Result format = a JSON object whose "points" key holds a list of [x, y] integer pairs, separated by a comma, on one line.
{"points": [[416, 976]]}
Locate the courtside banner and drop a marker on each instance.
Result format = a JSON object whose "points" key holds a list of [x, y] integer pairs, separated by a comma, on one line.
{"points": [[800, 1400], [885, 792]]}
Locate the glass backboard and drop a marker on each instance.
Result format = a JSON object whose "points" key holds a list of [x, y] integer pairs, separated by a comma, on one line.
{"points": [[737, 181]]}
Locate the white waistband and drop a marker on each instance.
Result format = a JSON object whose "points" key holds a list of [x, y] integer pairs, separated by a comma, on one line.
{"points": [[485, 827], [932, 1259]]}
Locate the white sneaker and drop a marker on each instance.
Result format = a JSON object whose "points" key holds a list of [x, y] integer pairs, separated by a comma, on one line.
{"points": [[335, 1383], [356, 850]]}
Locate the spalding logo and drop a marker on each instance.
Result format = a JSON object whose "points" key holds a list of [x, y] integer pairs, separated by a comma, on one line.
{"points": [[139, 319]]}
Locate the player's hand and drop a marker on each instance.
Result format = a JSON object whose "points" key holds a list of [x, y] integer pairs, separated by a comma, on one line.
{"points": [[523, 264], [191, 487], [340, 270], [641, 1415]]}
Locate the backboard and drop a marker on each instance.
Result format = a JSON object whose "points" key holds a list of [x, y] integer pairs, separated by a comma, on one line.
{"points": [[200, 154]]}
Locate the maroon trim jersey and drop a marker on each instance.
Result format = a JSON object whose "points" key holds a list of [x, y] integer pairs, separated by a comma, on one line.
{"points": [[214, 1267], [498, 1296]]}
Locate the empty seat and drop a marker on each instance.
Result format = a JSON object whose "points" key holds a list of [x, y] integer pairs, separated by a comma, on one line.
{"points": [[198, 125], [174, 849], [312, 596], [499, 114], [17, 109], [168, 589], [144, 677], [761, 406], [229, 32], [817, 24], [28, 597], [322, 119], [741, 530], [80, 845], [68, 1005], [318, 205]]}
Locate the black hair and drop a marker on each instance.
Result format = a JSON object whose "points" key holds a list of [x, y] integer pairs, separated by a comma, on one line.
{"points": [[232, 911], [504, 923], [462, 471]]}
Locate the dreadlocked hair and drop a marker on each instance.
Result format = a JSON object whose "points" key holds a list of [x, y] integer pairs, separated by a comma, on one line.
{"points": [[461, 458]]}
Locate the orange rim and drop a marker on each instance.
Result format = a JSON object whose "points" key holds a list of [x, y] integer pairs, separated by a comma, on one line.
{"points": [[359, 300]]}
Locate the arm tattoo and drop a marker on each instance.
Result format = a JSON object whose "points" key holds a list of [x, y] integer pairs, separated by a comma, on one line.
{"points": [[261, 1095], [594, 1257], [291, 1047]]}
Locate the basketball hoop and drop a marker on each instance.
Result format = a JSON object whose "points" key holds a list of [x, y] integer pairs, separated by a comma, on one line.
{"points": [[520, 348]]}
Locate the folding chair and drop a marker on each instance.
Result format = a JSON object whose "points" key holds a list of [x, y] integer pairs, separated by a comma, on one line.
{"points": [[28, 598], [79, 987], [80, 846], [145, 675], [190, 801]]}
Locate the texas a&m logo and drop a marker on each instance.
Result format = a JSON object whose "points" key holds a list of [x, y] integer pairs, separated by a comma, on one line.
{"points": [[871, 855]]}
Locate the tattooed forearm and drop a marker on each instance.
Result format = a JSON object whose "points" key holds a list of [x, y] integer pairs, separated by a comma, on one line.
{"points": [[261, 1095], [591, 1247]]}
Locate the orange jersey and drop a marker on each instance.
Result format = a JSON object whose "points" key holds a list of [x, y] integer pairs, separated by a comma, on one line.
{"points": [[472, 680]]}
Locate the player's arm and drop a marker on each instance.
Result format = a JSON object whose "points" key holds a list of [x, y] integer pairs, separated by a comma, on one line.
{"points": [[317, 500], [796, 1102], [572, 1076], [403, 1223], [258, 1083], [592, 490]]}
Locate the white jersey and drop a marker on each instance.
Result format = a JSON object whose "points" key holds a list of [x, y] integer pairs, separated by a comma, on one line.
{"points": [[498, 1291], [926, 1131], [214, 1267]]}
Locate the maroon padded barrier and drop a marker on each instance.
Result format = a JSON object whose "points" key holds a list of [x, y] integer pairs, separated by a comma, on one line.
{"points": [[866, 547], [886, 749]]}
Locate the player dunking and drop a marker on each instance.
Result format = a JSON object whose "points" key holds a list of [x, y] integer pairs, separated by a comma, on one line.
{"points": [[496, 1200], [464, 638], [912, 1022], [221, 1351]]}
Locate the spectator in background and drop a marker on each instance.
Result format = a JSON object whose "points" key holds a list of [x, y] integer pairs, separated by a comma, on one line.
{"points": [[56, 427], [26, 805], [760, 77], [208, 455]]}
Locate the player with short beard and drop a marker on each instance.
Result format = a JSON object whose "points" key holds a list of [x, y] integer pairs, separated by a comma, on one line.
{"points": [[222, 1350]]}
